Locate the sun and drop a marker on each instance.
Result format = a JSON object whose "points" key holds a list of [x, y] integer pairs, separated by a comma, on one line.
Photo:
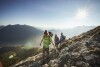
{"points": [[81, 13]]}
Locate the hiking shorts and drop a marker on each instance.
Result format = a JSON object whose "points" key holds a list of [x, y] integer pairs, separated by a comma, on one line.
{"points": [[45, 50]]}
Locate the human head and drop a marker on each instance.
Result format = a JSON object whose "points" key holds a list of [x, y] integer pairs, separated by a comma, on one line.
{"points": [[61, 33], [50, 34], [55, 34], [45, 32]]}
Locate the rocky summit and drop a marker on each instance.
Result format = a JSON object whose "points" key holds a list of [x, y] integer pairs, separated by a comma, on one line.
{"points": [[79, 51]]}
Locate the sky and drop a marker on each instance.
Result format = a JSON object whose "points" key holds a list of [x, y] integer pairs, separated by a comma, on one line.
{"points": [[50, 14]]}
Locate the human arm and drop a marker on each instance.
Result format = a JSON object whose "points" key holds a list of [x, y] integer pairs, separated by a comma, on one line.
{"points": [[41, 40]]}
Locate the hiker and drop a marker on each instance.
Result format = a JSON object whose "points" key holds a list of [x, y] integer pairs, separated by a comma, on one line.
{"points": [[50, 33], [62, 38], [47, 40], [56, 40]]}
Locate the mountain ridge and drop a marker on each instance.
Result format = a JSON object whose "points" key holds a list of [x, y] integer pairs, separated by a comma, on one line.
{"points": [[12, 34], [80, 51]]}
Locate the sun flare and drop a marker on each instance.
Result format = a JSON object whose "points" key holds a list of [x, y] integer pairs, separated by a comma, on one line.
{"points": [[81, 13]]}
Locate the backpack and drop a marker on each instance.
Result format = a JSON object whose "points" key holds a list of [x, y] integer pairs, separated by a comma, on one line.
{"points": [[56, 39], [51, 34], [62, 38]]}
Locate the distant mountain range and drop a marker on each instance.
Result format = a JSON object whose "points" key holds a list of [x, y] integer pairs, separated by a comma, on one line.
{"points": [[70, 32], [24, 34], [1, 27], [18, 34]]}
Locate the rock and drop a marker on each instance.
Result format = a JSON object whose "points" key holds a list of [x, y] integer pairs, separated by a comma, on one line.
{"points": [[90, 57], [45, 65], [81, 64], [79, 51]]}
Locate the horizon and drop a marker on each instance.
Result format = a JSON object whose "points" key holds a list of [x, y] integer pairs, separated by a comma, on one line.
{"points": [[53, 28], [50, 14]]}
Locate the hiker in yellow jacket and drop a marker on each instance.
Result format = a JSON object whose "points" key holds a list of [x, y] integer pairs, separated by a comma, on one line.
{"points": [[47, 40]]}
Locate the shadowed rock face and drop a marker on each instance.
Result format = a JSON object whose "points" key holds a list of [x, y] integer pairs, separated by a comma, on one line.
{"points": [[80, 51]]}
